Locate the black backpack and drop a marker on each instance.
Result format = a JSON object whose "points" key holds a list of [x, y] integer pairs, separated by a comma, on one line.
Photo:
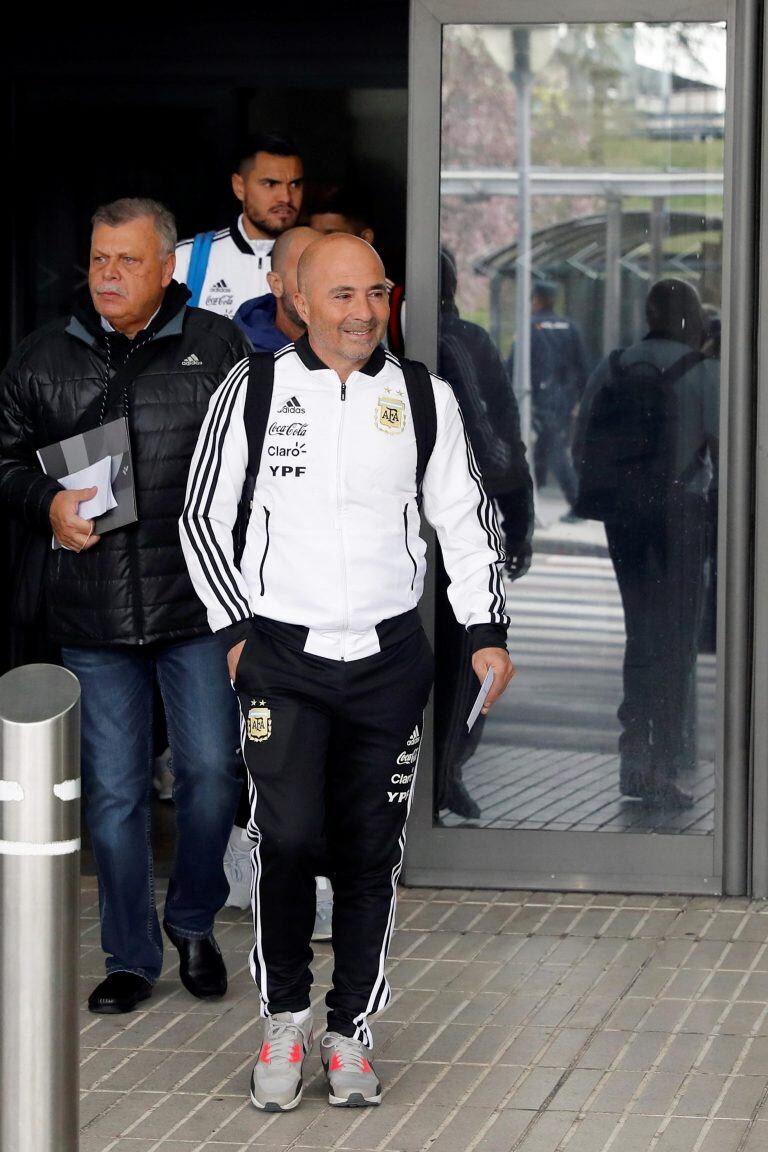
{"points": [[628, 457], [258, 398]]}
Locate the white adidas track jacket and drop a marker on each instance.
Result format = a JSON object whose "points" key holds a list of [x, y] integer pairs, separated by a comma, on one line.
{"points": [[236, 270], [333, 539]]}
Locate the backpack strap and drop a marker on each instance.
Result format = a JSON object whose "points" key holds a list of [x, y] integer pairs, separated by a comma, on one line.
{"points": [[116, 386], [258, 398], [198, 263], [669, 375], [421, 398], [615, 370], [672, 374]]}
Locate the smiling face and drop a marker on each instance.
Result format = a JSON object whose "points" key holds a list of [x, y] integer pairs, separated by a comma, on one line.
{"points": [[343, 301], [128, 273], [270, 189]]}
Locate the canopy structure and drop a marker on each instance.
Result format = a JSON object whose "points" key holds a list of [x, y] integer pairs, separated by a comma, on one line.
{"points": [[580, 182], [621, 251]]}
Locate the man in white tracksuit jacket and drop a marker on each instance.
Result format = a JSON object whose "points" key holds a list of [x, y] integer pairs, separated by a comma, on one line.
{"points": [[269, 183], [330, 662]]}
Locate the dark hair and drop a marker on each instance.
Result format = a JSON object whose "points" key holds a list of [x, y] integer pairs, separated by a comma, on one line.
{"points": [[134, 208], [673, 309], [545, 290], [347, 202], [275, 143]]}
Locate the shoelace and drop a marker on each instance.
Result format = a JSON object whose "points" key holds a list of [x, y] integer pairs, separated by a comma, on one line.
{"points": [[281, 1040], [348, 1053]]}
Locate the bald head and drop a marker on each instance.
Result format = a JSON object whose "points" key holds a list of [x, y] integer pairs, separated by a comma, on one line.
{"points": [[335, 251], [289, 246], [342, 298], [282, 278]]}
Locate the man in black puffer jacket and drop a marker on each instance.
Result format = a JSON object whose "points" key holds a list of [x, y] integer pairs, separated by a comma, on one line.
{"points": [[122, 605]]}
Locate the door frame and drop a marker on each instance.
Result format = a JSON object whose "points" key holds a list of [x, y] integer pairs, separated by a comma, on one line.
{"points": [[623, 862]]}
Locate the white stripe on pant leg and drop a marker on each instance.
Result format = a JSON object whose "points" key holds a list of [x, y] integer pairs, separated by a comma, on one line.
{"points": [[258, 971], [381, 991]]}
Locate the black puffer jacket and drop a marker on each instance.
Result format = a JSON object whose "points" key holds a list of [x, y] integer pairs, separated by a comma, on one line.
{"points": [[132, 587]]}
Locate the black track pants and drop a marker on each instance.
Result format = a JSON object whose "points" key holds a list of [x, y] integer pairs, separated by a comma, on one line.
{"points": [[331, 749]]}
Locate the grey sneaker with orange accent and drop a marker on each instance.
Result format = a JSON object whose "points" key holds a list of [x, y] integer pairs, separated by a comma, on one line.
{"points": [[352, 1081], [277, 1082]]}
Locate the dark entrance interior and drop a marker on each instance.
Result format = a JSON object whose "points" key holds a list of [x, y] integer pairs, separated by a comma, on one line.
{"points": [[111, 102]]}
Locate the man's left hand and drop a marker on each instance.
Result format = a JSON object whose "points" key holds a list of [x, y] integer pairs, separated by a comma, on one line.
{"points": [[503, 671]]}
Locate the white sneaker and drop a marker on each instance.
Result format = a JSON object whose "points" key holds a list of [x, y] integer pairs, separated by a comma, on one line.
{"points": [[238, 869], [277, 1082], [323, 909], [163, 778], [352, 1080]]}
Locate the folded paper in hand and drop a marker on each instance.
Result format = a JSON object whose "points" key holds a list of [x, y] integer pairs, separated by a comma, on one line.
{"points": [[98, 458], [99, 476], [485, 688]]}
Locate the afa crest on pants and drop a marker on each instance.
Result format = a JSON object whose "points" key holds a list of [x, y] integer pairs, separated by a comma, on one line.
{"points": [[259, 722]]}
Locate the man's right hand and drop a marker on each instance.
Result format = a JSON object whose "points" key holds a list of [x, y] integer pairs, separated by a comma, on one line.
{"points": [[233, 659], [69, 528]]}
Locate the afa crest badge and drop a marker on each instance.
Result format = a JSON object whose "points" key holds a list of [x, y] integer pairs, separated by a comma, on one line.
{"points": [[390, 414], [259, 722]]}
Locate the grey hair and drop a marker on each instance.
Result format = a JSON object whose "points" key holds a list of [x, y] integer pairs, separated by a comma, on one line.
{"points": [[133, 208]]}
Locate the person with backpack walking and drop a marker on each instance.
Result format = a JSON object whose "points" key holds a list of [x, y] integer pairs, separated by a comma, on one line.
{"points": [[327, 653], [645, 448], [224, 269], [270, 322]]}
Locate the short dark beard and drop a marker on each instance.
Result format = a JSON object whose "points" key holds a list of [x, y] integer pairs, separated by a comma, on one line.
{"points": [[267, 229], [292, 314]]}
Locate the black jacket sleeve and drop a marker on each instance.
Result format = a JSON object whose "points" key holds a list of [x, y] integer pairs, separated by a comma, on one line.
{"points": [[26, 492]]}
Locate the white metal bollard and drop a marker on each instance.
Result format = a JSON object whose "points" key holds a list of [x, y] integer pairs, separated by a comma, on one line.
{"points": [[39, 909]]}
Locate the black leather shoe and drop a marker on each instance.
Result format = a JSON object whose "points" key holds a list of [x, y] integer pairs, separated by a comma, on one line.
{"points": [[120, 992], [201, 965]]}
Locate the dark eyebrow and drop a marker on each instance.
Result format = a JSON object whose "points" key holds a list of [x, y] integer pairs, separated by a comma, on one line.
{"points": [[351, 288]]}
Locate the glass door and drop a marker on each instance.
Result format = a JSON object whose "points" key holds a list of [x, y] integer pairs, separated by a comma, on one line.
{"points": [[580, 267]]}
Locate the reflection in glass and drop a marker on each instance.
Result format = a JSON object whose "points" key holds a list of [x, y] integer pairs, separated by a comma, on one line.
{"points": [[470, 360], [581, 215]]}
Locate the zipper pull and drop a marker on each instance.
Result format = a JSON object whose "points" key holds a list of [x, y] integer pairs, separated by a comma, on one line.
{"points": [[343, 391], [259, 263]]}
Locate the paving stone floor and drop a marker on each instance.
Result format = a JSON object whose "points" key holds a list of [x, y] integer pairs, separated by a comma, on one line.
{"points": [[520, 1022]]}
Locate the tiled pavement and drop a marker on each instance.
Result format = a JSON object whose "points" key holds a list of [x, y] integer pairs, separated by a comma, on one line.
{"points": [[521, 1022]]}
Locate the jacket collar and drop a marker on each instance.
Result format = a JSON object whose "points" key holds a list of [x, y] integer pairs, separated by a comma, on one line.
{"points": [[311, 360], [239, 240], [85, 322]]}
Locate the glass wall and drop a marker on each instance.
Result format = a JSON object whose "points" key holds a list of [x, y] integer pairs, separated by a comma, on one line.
{"points": [[580, 291]]}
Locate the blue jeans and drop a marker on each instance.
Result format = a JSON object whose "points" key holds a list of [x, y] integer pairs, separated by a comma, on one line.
{"points": [[117, 755]]}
